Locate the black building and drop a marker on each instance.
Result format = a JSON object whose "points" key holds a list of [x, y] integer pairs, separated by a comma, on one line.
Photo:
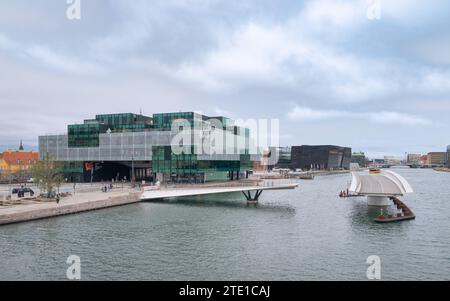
{"points": [[448, 156], [324, 157]]}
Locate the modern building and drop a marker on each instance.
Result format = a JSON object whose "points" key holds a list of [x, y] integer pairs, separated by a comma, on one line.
{"points": [[437, 159], [278, 157], [181, 147], [284, 157], [360, 159], [18, 161], [322, 157]]}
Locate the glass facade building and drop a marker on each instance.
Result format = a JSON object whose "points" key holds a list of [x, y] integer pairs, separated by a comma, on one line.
{"points": [[117, 143], [88, 133]]}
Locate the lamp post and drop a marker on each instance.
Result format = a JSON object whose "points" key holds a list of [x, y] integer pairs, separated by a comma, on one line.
{"points": [[92, 174], [133, 179], [10, 184]]}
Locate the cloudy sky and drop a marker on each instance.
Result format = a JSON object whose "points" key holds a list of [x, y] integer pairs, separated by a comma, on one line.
{"points": [[327, 71]]}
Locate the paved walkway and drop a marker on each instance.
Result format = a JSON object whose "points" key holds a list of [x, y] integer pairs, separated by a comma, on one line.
{"points": [[80, 202]]}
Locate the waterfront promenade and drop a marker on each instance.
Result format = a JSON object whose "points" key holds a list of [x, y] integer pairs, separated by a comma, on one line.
{"points": [[80, 202]]}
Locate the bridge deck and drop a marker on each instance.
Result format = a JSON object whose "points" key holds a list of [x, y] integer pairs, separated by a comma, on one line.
{"points": [[385, 183], [173, 193]]}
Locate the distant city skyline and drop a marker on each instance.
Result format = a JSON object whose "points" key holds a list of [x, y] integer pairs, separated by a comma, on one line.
{"points": [[328, 71]]}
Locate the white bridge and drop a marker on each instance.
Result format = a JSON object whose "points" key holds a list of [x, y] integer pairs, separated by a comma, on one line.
{"points": [[251, 193], [378, 187]]}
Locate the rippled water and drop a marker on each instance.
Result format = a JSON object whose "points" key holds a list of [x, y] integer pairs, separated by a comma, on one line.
{"points": [[306, 234]]}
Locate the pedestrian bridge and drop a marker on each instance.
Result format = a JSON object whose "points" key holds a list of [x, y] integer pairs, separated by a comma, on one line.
{"points": [[379, 187], [251, 193]]}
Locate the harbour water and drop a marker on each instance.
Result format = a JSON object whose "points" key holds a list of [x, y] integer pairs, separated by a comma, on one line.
{"points": [[303, 234]]}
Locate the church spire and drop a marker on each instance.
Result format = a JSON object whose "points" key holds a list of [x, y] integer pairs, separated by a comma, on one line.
{"points": [[21, 145]]}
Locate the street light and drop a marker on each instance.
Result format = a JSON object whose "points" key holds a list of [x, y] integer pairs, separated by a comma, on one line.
{"points": [[133, 179]]}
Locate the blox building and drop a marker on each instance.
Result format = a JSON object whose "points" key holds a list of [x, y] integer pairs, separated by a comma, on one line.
{"points": [[182, 147]]}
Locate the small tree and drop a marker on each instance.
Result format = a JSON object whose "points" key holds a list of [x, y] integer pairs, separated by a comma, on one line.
{"points": [[47, 174], [4, 177], [7, 177]]}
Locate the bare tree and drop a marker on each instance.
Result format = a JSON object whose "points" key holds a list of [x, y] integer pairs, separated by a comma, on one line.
{"points": [[47, 174]]}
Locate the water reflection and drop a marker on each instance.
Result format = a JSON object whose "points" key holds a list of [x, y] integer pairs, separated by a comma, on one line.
{"points": [[362, 219], [224, 202]]}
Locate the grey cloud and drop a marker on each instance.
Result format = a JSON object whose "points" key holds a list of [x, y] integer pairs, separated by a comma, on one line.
{"points": [[247, 58]]}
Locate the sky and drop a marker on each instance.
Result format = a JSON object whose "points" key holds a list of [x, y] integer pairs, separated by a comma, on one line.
{"points": [[372, 75]]}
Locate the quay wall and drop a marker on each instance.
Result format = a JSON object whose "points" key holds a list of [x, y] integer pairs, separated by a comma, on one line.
{"points": [[66, 209]]}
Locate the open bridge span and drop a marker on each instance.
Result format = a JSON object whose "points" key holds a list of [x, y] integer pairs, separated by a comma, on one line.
{"points": [[251, 193]]}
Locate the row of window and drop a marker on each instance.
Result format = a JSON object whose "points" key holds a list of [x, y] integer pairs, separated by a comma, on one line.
{"points": [[22, 167]]}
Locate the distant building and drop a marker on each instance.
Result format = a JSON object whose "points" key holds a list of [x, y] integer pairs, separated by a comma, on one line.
{"points": [[360, 159], [378, 161], [263, 165], [16, 161], [448, 156], [280, 157], [323, 157], [413, 158], [392, 160], [423, 160], [436, 158]]}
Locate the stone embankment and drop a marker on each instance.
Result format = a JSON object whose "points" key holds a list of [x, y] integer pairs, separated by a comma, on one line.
{"points": [[79, 203]]}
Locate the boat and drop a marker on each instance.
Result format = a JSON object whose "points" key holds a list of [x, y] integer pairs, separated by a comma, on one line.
{"points": [[302, 175], [374, 170], [306, 176], [345, 194]]}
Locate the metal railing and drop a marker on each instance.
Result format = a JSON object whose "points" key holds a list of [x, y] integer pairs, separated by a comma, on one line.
{"points": [[229, 184]]}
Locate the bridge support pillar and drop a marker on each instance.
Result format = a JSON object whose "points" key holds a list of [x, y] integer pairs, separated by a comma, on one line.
{"points": [[252, 199], [378, 201]]}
